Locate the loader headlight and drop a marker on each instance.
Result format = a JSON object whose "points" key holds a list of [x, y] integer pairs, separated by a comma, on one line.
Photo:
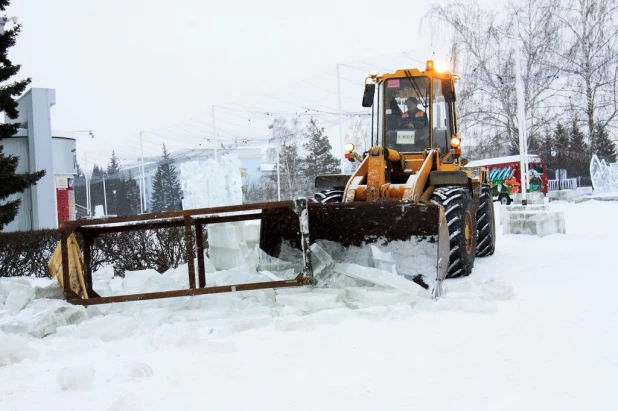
{"points": [[349, 147], [455, 141]]}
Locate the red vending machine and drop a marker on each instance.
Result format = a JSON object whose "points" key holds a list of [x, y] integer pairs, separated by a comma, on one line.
{"points": [[65, 198]]}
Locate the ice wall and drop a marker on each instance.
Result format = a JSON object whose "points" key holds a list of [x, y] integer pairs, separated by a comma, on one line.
{"points": [[211, 183]]}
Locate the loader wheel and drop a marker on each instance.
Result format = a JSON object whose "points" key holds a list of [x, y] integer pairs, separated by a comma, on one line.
{"points": [[329, 196], [461, 222], [485, 224]]}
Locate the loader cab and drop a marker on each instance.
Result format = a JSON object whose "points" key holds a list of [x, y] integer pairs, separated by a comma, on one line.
{"points": [[430, 124]]}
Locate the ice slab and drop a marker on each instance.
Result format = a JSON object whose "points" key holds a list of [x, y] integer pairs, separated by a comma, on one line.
{"points": [[320, 259], [110, 327], [149, 280], [223, 235], [211, 183], [565, 195], [224, 258], [51, 290], [17, 299], [540, 223], [310, 299], [331, 316], [382, 278], [21, 290], [382, 260], [43, 317]]}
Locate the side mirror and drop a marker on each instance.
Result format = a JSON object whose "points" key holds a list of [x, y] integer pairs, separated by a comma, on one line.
{"points": [[370, 90], [448, 89]]}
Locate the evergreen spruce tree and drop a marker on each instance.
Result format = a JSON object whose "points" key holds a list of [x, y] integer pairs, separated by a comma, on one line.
{"points": [[79, 187], [113, 181], [602, 145], [319, 159], [166, 192], [545, 150], [579, 162], [10, 181], [128, 193], [96, 188], [561, 141]]}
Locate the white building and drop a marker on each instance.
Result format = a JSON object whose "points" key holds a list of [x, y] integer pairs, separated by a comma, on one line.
{"points": [[52, 199]]}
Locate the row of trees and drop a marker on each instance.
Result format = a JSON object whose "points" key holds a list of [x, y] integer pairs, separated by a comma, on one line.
{"points": [[565, 147], [303, 154], [569, 51], [120, 191]]}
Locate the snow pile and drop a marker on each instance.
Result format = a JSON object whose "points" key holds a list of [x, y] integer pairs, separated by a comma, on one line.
{"points": [[367, 282], [76, 378], [527, 330], [15, 348]]}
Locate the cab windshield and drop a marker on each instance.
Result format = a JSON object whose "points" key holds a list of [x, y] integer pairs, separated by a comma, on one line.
{"points": [[406, 104], [408, 109]]}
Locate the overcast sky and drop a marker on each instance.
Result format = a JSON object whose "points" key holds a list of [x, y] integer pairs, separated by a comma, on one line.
{"points": [[121, 67]]}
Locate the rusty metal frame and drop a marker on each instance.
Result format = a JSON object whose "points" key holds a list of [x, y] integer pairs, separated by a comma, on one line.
{"points": [[197, 218]]}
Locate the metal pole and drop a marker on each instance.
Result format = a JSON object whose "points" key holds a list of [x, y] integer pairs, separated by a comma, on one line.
{"points": [[521, 113], [104, 195], [88, 208], [142, 192], [278, 176], [341, 137], [214, 134]]}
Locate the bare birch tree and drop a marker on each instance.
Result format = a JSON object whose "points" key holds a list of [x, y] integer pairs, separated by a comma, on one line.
{"points": [[590, 57], [484, 42], [287, 139]]}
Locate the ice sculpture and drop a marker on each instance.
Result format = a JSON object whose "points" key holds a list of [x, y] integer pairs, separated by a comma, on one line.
{"points": [[604, 176]]}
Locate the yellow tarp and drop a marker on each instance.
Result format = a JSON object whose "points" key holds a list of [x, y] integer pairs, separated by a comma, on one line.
{"points": [[76, 267]]}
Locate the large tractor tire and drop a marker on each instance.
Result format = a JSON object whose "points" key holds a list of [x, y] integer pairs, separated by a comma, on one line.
{"points": [[485, 224], [329, 196], [461, 221]]}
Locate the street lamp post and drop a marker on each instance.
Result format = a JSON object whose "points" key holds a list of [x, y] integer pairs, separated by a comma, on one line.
{"points": [[553, 153], [272, 127], [142, 191], [88, 207], [104, 195]]}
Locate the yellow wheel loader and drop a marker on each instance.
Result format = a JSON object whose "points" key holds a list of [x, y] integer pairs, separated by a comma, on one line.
{"points": [[408, 207], [409, 195]]}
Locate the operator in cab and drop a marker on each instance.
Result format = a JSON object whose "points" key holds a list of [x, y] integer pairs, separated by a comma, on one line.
{"points": [[414, 117]]}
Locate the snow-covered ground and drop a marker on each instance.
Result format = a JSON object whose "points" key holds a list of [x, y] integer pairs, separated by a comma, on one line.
{"points": [[535, 327]]}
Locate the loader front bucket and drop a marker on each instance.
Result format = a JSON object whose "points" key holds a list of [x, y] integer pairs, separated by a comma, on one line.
{"points": [[416, 235]]}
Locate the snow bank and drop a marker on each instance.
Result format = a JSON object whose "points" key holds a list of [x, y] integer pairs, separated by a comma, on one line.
{"points": [[76, 378], [369, 286], [15, 348]]}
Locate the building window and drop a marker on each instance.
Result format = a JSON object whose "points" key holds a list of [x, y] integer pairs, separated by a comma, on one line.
{"points": [[243, 172]]}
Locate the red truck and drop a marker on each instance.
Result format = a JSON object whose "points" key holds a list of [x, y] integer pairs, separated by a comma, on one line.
{"points": [[505, 177]]}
